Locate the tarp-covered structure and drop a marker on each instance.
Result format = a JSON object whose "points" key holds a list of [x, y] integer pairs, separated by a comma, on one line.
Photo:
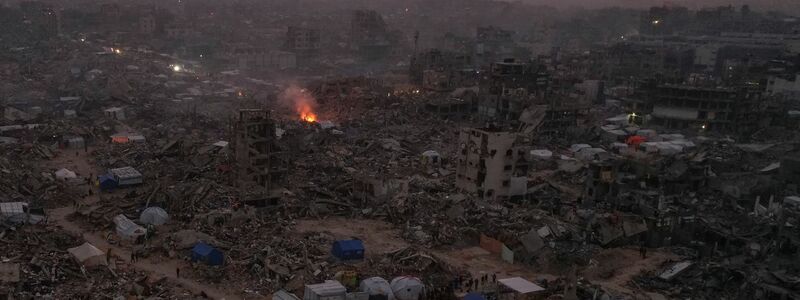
{"points": [[154, 216], [520, 285], [348, 249], [407, 288], [474, 296], [377, 288], [18, 213], [65, 174], [208, 254], [88, 255], [128, 229]]}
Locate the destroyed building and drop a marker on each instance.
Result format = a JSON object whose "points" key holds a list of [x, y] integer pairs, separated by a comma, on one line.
{"points": [[442, 70], [700, 107], [491, 164], [248, 150], [509, 87], [303, 42], [370, 36], [260, 161]]}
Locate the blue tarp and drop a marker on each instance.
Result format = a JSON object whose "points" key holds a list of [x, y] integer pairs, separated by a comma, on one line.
{"points": [[107, 182], [348, 249], [208, 254], [474, 296]]}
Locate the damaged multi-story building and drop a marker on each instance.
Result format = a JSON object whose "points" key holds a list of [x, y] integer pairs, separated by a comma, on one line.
{"points": [[509, 87], [303, 42], [261, 164], [439, 70], [492, 164], [698, 107], [370, 37]]}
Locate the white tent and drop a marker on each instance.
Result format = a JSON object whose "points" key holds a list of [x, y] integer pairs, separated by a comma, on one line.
{"points": [[520, 285], [375, 286], [407, 288], [154, 215], [13, 212], [65, 174], [127, 229], [542, 154], [88, 255]]}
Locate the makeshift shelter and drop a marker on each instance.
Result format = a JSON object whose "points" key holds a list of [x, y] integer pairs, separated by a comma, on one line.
{"points": [[284, 295], [474, 296], [106, 182], [154, 216], [14, 212], [348, 249], [127, 229], [542, 154], [377, 288], [328, 290], [589, 154], [207, 254], [120, 139], [635, 140], [407, 288], [126, 176], [74, 142], [519, 286], [65, 174], [137, 138], [88, 255]]}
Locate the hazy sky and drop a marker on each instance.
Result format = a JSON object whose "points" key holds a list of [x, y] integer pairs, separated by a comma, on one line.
{"points": [[788, 6]]}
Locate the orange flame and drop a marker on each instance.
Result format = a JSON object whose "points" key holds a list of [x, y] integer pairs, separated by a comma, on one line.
{"points": [[306, 113]]}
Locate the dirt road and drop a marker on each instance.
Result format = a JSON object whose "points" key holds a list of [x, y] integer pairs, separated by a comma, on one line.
{"points": [[613, 268], [81, 164]]}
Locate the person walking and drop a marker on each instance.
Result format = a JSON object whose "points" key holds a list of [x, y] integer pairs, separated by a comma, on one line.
{"points": [[178, 272]]}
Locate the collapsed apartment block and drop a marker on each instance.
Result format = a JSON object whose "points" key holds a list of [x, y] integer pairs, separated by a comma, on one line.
{"points": [[491, 164], [439, 70], [377, 189], [261, 165], [459, 104]]}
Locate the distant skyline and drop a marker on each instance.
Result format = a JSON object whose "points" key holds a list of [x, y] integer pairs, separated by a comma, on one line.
{"points": [[786, 6]]}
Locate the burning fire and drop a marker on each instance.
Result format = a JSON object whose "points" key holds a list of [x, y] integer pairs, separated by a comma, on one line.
{"points": [[306, 113], [302, 101]]}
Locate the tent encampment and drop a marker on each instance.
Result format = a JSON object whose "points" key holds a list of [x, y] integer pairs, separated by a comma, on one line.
{"points": [[88, 255], [154, 216], [208, 254], [407, 288], [127, 229], [377, 288]]}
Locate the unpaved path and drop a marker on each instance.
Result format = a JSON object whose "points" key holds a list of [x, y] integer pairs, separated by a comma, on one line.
{"points": [[163, 268], [613, 268]]}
